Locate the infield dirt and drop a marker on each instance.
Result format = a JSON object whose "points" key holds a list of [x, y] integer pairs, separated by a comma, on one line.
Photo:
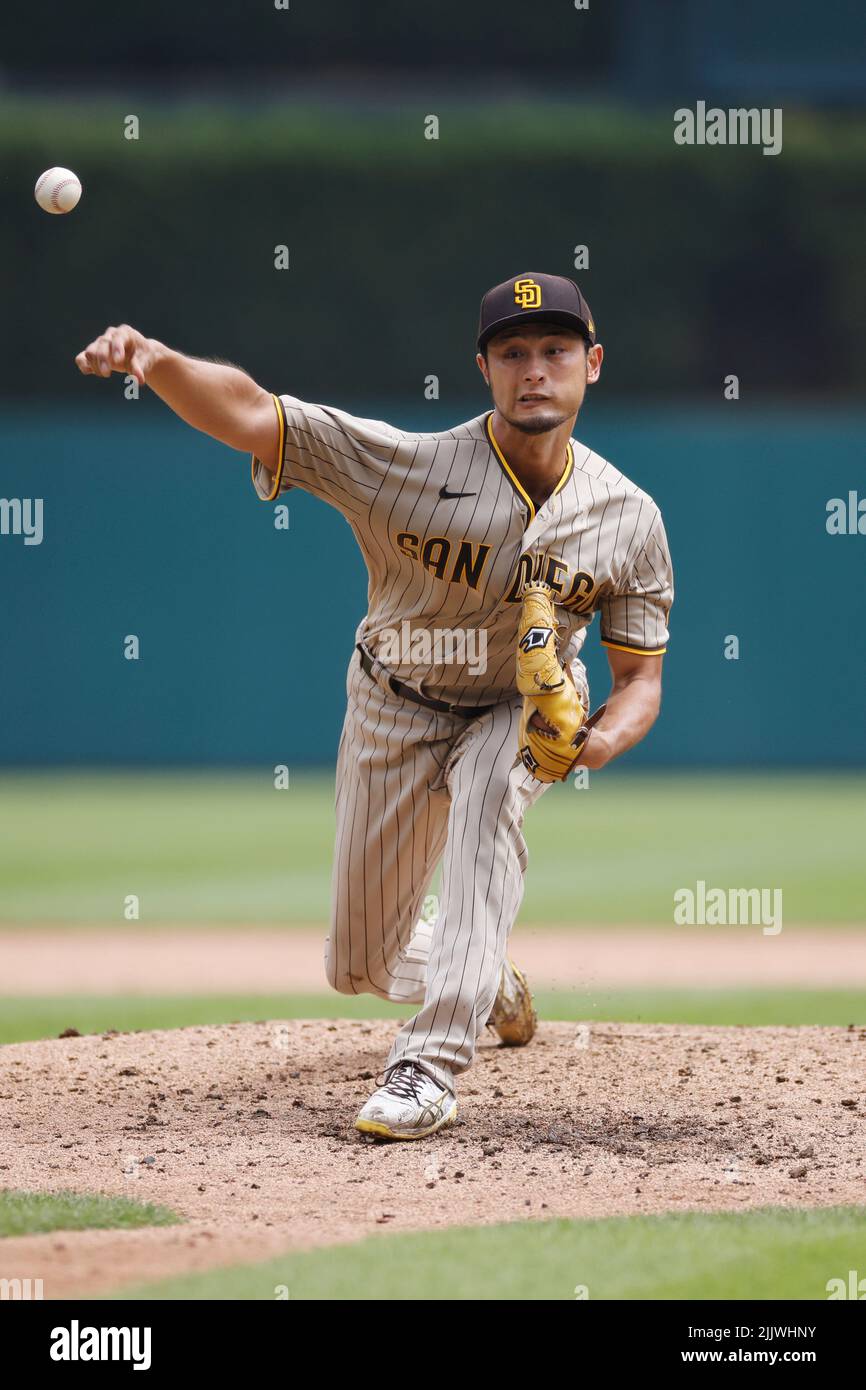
{"points": [[45, 960], [247, 1132]]}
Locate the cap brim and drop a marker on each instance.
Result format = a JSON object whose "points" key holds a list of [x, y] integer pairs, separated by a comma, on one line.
{"points": [[561, 316]]}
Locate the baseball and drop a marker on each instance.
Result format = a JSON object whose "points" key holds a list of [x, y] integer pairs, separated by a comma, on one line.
{"points": [[57, 190]]}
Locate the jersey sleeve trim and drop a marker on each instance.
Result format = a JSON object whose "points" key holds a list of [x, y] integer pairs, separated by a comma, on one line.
{"points": [[281, 452], [638, 651]]}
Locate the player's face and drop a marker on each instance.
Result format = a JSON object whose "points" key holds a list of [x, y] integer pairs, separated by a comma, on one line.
{"points": [[538, 375]]}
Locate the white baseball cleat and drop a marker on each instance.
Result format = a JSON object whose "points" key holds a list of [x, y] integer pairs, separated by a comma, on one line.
{"points": [[513, 1015], [409, 1106]]}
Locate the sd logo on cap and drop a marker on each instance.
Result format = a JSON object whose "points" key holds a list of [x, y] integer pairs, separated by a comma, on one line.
{"points": [[530, 298]]}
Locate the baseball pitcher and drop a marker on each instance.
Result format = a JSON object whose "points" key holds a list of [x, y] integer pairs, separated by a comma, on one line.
{"points": [[490, 547]]}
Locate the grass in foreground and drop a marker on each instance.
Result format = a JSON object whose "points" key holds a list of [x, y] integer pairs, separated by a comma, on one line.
{"points": [[772, 1253], [216, 848], [25, 1019], [28, 1213]]}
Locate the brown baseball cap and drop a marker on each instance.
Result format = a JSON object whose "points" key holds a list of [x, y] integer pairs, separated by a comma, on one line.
{"points": [[533, 298]]}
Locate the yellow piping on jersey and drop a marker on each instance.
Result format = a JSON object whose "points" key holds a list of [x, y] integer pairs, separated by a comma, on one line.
{"points": [[518, 486], [637, 651], [281, 449], [569, 464]]}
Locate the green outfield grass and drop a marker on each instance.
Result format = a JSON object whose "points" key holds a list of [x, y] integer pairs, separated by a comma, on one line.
{"points": [[213, 848], [23, 1019], [765, 1254], [28, 1213]]}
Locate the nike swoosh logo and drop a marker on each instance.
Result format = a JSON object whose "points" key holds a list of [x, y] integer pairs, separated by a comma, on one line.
{"points": [[444, 493]]}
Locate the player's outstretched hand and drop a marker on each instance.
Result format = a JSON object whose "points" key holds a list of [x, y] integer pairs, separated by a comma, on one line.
{"points": [[121, 349]]}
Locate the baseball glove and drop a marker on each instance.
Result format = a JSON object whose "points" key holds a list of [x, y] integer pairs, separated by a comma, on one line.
{"points": [[553, 724]]}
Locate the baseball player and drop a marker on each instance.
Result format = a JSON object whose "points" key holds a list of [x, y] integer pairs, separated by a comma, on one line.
{"points": [[490, 547]]}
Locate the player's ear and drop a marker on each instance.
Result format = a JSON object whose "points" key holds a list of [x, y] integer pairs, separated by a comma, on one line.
{"points": [[593, 362], [482, 366]]}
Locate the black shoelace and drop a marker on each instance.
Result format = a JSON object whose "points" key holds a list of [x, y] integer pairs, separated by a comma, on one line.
{"points": [[405, 1081]]}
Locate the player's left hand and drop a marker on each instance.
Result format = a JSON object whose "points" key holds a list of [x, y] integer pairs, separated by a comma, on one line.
{"points": [[553, 724]]}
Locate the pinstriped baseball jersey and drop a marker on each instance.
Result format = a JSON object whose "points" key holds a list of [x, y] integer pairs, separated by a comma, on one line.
{"points": [[450, 535]]}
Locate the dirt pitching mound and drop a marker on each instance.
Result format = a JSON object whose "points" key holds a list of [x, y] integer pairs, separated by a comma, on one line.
{"points": [[246, 1131]]}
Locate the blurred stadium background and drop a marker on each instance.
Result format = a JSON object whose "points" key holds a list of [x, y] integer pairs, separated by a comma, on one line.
{"points": [[155, 777]]}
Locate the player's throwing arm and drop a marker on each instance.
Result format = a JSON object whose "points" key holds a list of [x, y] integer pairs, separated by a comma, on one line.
{"points": [[218, 399]]}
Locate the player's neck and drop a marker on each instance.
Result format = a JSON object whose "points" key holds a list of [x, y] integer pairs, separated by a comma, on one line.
{"points": [[537, 459]]}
